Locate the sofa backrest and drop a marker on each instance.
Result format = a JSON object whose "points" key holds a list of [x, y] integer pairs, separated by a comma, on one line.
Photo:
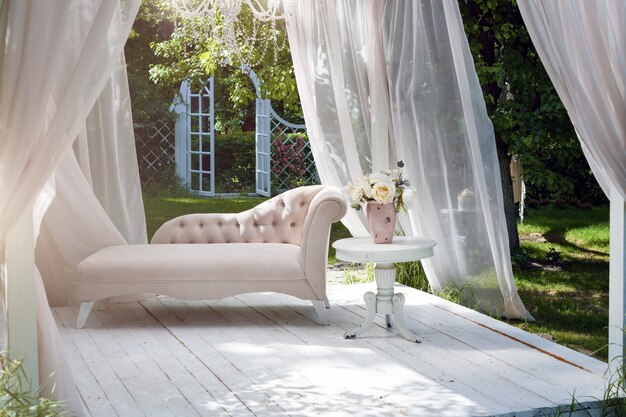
{"points": [[277, 220]]}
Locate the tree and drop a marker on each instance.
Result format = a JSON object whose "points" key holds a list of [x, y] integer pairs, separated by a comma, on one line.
{"points": [[528, 117], [192, 52], [150, 101]]}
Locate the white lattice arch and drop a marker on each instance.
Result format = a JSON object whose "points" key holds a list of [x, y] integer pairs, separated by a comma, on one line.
{"points": [[272, 133]]}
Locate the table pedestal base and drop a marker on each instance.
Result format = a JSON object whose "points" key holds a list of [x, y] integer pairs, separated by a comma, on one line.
{"points": [[384, 302]]}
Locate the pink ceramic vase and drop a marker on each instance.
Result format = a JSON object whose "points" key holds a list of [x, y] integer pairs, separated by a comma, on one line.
{"points": [[382, 221]]}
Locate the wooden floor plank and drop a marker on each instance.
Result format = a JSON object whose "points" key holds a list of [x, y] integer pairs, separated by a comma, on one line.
{"points": [[199, 373], [120, 399], [181, 393], [466, 366], [303, 390], [265, 354], [555, 365], [194, 331], [370, 376], [510, 359], [95, 400], [131, 365]]}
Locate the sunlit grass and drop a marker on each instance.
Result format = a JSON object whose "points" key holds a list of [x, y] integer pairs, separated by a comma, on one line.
{"points": [[569, 300]]}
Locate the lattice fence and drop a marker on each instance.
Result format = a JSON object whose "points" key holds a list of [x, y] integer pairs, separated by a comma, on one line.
{"points": [[155, 150], [292, 158]]}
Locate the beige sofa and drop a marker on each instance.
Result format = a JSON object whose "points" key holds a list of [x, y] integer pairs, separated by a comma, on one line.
{"points": [[281, 245]]}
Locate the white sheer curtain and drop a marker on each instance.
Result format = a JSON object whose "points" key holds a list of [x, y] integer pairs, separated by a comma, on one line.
{"points": [[438, 120], [54, 61], [444, 135], [581, 44], [98, 200], [106, 151], [327, 40]]}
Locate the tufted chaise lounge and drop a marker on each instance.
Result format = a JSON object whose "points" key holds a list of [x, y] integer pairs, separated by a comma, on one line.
{"points": [[281, 245]]}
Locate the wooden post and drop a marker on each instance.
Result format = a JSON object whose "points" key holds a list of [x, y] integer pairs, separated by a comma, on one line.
{"points": [[20, 296], [617, 280]]}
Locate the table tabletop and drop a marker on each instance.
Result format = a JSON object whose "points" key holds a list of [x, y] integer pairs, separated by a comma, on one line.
{"points": [[402, 249]]}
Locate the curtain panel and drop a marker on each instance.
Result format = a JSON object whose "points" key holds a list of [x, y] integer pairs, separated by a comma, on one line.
{"points": [[581, 45], [436, 119], [54, 62]]}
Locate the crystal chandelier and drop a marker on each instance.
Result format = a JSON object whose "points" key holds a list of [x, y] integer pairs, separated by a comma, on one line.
{"points": [[228, 29]]}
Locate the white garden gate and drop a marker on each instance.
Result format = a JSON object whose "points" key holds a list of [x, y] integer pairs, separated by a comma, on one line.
{"points": [[195, 155], [263, 152], [195, 137]]}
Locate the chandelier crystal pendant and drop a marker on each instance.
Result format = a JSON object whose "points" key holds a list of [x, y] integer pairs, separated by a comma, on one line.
{"points": [[227, 28]]}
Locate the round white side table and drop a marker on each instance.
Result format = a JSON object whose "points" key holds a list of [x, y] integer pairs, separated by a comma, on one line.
{"points": [[403, 249]]}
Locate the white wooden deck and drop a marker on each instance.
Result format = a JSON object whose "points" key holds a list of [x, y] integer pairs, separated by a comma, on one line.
{"points": [[264, 355]]}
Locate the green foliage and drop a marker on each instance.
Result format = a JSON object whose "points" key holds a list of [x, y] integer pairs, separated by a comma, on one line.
{"points": [[528, 117], [192, 52], [166, 184], [289, 168], [337, 231], [150, 101], [235, 162], [412, 274], [614, 400], [355, 275], [16, 396], [464, 295]]}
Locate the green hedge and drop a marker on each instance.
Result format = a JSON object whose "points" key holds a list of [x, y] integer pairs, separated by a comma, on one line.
{"points": [[235, 162]]}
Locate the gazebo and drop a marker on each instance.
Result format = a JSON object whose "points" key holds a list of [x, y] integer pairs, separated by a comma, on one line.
{"points": [[380, 81]]}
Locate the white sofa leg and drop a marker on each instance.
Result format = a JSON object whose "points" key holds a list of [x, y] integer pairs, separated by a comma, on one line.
{"points": [[326, 302], [320, 309], [83, 314]]}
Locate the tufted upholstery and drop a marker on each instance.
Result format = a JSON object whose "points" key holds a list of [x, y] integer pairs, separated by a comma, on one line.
{"points": [[277, 220], [280, 245]]}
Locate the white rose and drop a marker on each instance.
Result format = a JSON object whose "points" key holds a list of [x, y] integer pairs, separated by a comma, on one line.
{"points": [[395, 174], [365, 187], [355, 193], [384, 192], [408, 196], [380, 177]]}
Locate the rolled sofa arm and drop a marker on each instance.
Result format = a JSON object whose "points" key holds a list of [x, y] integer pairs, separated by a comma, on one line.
{"points": [[327, 207]]}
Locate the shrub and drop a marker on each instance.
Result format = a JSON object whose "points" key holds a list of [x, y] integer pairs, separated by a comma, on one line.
{"points": [[412, 274], [235, 159], [287, 157], [290, 163], [165, 184], [16, 396]]}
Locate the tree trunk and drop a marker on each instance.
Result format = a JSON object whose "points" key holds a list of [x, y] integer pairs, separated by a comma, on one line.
{"points": [[510, 211], [487, 41]]}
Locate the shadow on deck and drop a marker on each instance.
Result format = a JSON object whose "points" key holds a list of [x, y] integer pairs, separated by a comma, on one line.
{"points": [[265, 354]]}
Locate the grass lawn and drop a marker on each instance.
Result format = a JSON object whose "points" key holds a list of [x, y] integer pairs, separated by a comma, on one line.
{"points": [[563, 281]]}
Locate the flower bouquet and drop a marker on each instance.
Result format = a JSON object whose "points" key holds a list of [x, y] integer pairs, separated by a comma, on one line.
{"points": [[383, 194]]}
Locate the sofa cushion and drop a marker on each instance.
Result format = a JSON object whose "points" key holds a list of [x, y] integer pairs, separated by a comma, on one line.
{"points": [[193, 262]]}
